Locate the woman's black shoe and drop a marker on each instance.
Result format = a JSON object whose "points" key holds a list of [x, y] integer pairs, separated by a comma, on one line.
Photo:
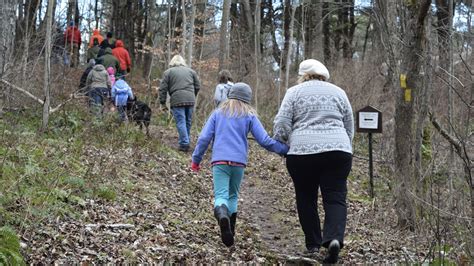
{"points": [[312, 250], [333, 252]]}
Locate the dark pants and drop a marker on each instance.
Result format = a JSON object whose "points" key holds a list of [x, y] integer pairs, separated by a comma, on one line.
{"points": [[122, 110], [327, 171], [97, 98]]}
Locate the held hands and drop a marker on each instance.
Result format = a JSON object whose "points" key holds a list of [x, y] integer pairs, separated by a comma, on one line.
{"points": [[195, 167]]}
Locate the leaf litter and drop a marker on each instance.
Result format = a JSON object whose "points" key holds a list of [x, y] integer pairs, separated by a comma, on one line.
{"points": [[162, 212]]}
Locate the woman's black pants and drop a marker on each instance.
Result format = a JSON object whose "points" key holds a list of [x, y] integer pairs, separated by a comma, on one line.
{"points": [[327, 171]]}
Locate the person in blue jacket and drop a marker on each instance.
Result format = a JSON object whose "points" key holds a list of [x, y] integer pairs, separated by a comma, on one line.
{"points": [[228, 127], [121, 92]]}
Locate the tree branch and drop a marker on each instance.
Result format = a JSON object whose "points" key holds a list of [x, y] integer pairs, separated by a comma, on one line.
{"points": [[38, 100], [27, 93], [452, 140]]}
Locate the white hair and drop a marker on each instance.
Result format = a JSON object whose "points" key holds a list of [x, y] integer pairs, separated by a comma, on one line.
{"points": [[177, 60]]}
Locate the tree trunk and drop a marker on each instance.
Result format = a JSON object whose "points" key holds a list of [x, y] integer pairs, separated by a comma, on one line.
{"points": [[224, 35], [191, 33], [7, 31], [170, 32], [183, 28], [326, 34], [47, 65], [406, 110], [257, 51], [313, 40], [286, 34], [271, 20], [349, 26]]}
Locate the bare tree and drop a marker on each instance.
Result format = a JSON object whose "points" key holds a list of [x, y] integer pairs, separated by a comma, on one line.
{"points": [[7, 31], [313, 35], [47, 65], [413, 32], [191, 33], [257, 51], [224, 34]]}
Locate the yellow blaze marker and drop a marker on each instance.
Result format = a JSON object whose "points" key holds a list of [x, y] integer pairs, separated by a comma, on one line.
{"points": [[407, 95], [403, 81]]}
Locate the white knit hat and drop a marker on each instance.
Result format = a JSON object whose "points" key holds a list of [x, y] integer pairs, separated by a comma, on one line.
{"points": [[312, 66]]}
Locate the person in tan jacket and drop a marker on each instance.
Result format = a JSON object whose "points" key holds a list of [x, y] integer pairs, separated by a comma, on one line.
{"points": [[99, 85]]}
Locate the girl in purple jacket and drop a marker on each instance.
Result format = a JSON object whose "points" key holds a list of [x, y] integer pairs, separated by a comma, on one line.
{"points": [[228, 127]]}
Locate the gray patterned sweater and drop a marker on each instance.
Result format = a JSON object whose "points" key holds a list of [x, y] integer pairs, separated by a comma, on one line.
{"points": [[314, 117]]}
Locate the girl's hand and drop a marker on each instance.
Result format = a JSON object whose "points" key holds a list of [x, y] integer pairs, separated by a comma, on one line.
{"points": [[195, 167]]}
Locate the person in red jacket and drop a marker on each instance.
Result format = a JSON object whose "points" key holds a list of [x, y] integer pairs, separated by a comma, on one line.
{"points": [[124, 58], [95, 35], [72, 38]]}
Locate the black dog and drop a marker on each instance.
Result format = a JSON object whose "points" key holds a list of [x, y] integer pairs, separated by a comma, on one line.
{"points": [[139, 112]]}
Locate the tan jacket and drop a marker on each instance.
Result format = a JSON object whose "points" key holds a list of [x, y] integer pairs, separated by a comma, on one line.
{"points": [[98, 78]]}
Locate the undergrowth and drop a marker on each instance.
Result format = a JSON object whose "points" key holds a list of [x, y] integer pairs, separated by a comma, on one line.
{"points": [[50, 175]]}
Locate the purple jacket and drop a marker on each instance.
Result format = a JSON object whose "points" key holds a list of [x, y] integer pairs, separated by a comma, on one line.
{"points": [[230, 138]]}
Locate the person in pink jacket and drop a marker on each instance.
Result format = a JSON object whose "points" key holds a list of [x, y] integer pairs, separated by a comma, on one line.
{"points": [[111, 72]]}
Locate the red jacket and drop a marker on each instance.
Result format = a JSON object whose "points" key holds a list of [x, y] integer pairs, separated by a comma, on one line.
{"points": [[122, 55], [72, 34]]}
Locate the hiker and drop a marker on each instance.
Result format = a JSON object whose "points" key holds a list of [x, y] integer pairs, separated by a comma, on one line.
{"points": [[109, 42], [85, 74], [111, 72], [58, 49], [72, 38], [182, 84], [121, 93], [315, 119], [95, 36], [222, 89], [93, 51], [98, 83], [228, 127], [108, 60], [123, 56]]}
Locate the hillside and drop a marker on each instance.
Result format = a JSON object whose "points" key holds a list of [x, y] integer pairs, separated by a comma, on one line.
{"points": [[97, 191]]}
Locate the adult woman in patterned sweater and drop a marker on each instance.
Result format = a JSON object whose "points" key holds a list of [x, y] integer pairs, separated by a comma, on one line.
{"points": [[315, 119]]}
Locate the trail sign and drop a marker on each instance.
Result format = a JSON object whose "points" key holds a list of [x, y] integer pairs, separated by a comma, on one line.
{"points": [[369, 120]]}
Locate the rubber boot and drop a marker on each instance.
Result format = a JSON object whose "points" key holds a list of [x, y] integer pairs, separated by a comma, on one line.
{"points": [[222, 215], [233, 219]]}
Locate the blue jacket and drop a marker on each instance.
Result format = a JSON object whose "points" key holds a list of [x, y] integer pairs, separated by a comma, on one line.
{"points": [[121, 92], [230, 138]]}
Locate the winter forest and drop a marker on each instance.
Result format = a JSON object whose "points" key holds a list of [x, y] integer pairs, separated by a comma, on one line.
{"points": [[81, 180]]}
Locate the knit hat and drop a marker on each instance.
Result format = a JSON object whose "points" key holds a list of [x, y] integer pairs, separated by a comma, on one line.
{"points": [[312, 66], [91, 62], [240, 91]]}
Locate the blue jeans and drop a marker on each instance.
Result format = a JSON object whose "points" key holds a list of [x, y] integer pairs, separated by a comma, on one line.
{"points": [[227, 180], [183, 117]]}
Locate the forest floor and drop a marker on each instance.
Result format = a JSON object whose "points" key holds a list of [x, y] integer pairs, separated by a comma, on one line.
{"points": [[99, 192], [147, 206]]}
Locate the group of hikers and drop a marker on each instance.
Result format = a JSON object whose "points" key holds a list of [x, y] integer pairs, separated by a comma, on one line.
{"points": [[108, 63], [313, 130]]}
